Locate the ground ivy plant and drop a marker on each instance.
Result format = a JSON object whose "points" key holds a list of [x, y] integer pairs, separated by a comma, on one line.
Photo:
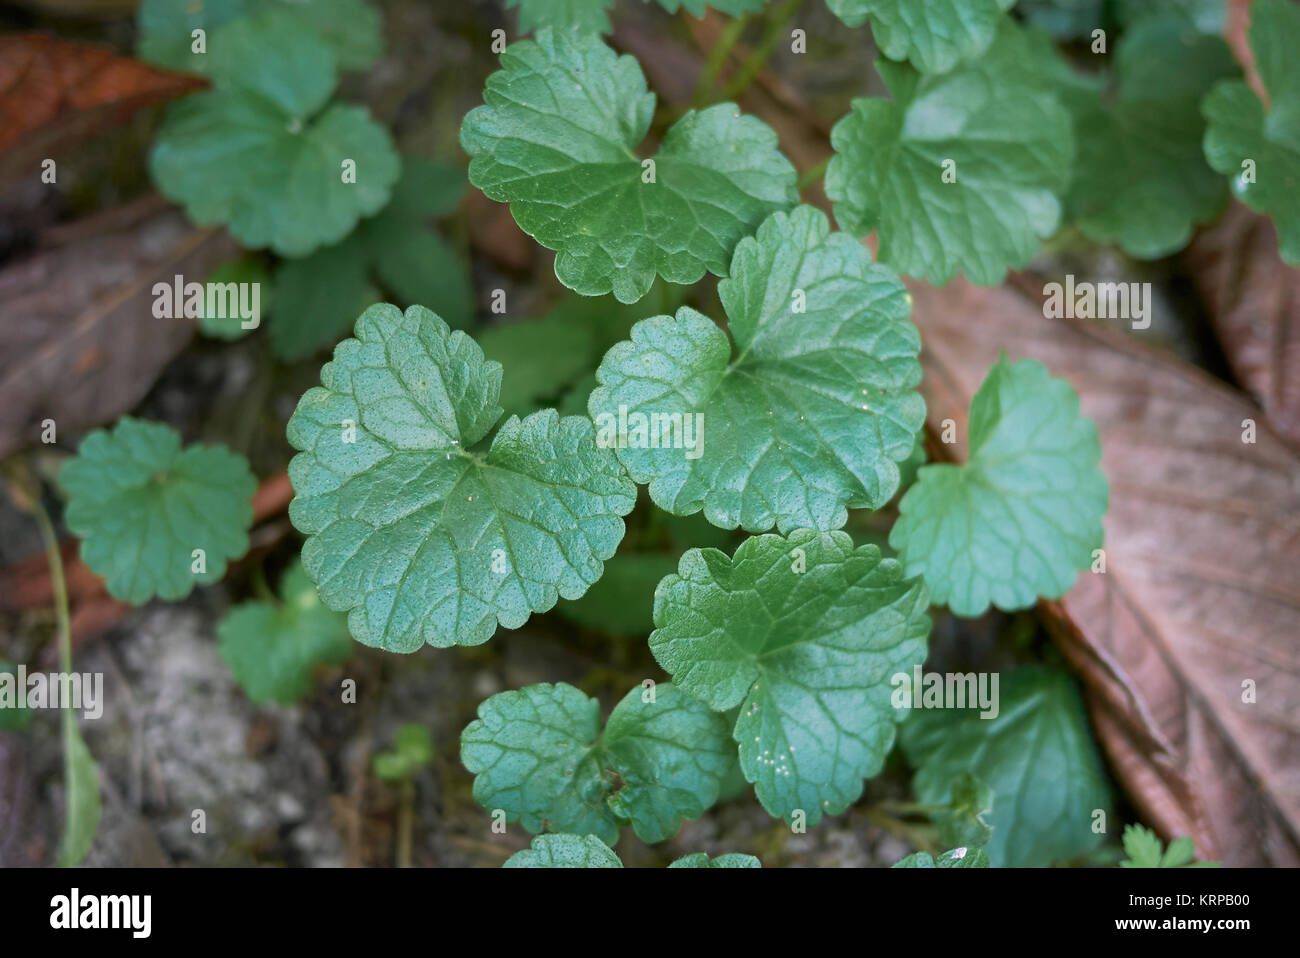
{"points": [[451, 484]]}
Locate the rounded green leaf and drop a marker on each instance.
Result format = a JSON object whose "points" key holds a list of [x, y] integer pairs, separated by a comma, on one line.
{"points": [[1036, 754], [165, 29], [588, 16], [565, 851], [1260, 149], [538, 755], [257, 152], [420, 537], [809, 415], [959, 171], [702, 860], [934, 34], [555, 140], [956, 858], [1023, 516], [804, 634], [272, 647], [156, 519], [1141, 179]]}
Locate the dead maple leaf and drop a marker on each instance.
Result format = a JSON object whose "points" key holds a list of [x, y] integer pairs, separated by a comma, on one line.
{"points": [[1189, 643]]}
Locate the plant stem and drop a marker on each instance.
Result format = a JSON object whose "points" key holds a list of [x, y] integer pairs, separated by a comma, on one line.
{"points": [[405, 824], [60, 588], [812, 175], [776, 24], [717, 57]]}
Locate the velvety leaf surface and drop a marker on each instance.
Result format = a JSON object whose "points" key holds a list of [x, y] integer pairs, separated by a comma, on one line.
{"points": [[956, 858], [804, 634], [810, 413], [420, 536], [1023, 516], [1037, 756], [1004, 137], [555, 140], [141, 505], [702, 860]]}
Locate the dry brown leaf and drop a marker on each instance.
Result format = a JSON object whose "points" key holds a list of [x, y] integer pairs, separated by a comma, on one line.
{"points": [[1254, 304], [82, 344], [54, 91], [1202, 588]]}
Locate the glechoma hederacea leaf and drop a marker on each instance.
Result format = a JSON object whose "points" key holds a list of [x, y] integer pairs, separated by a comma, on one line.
{"points": [[539, 755], [165, 28], [272, 647], [804, 634], [962, 857], [262, 152], [588, 851], [156, 519], [1038, 757], [935, 35], [808, 415], [416, 531], [320, 295], [1259, 149], [1141, 179], [555, 140], [962, 171], [1023, 516]]}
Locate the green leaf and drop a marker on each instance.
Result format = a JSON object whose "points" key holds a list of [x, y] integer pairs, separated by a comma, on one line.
{"points": [[555, 140], [957, 858], [273, 647], [1207, 16], [318, 297], [1024, 514], [697, 8], [1141, 180], [964, 821], [804, 634], [622, 602], [1064, 19], [1038, 757], [412, 750], [247, 271], [589, 16], [142, 506], [80, 796], [321, 294], [258, 153], [1145, 850], [538, 755], [164, 30], [995, 126], [565, 851], [417, 533], [808, 416], [935, 35], [1260, 149], [350, 28], [702, 860]]}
